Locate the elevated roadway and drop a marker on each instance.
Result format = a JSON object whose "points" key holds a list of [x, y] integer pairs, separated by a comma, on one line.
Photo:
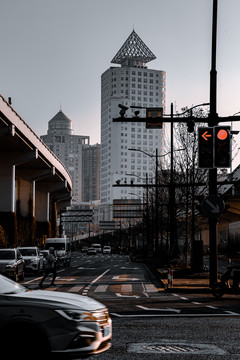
{"points": [[34, 183]]}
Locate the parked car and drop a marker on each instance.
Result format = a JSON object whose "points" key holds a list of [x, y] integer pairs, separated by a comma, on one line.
{"points": [[44, 254], [84, 248], [49, 322], [12, 263], [97, 247], [33, 259], [107, 249], [91, 251]]}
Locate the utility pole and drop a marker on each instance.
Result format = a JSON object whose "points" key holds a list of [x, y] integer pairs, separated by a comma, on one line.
{"points": [[213, 121], [156, 207], [173, 248]]}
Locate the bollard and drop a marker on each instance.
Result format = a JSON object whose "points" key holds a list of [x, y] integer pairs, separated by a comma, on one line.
{"points": [[170, 278]]}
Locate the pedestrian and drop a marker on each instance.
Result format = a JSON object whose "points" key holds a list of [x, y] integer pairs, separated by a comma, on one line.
{"points": [[51, 267]]}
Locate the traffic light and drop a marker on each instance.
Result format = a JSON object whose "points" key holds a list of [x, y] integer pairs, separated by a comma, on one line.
{"points": [[222, 147], [205, 147]]}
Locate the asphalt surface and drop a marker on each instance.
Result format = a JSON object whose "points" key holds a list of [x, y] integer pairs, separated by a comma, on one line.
{"points": [[149, 321]]}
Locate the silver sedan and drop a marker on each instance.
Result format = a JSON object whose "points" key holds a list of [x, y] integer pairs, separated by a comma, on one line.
{"points": [[46, 322]]}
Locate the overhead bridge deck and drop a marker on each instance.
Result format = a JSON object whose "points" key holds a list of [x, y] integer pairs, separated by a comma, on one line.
{"points": [[34, 183]]}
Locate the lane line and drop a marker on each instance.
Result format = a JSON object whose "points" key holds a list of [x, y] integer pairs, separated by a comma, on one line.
{"points": [[87, 288], [173, 315]]}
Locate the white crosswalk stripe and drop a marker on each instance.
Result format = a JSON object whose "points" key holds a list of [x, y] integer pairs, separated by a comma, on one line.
{"points": [[101, 288]]}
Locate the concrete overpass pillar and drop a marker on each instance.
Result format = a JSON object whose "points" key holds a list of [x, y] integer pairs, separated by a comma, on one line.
{"points": [[7, 187], [8, 193]]}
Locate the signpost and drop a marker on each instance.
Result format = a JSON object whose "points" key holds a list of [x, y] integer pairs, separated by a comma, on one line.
{"points": [[213, 206]]}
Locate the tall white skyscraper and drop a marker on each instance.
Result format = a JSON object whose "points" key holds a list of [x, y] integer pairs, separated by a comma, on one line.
{"points": [[130, 84]]}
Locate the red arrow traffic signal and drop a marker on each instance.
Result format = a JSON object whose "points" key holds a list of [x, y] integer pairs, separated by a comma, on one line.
{"points": [[205, 147], [206, 135]]}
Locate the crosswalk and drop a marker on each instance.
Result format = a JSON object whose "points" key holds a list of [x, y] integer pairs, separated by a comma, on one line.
{"points": [[76, 286]]}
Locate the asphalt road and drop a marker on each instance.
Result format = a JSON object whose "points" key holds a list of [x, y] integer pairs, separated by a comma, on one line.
{"points": [[149, 322]]}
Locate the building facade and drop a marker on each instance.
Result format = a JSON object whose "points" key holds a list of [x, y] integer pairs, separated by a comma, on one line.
{"points": [[69, 149], [91, 172], [130, 84]]}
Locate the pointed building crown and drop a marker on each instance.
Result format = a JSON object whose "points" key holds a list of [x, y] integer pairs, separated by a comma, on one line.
{"points": [[133, 52]]}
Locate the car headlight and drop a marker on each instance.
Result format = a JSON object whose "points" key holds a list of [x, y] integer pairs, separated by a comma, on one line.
{"points": [[76, 315], [33, 261], [10, 266]]}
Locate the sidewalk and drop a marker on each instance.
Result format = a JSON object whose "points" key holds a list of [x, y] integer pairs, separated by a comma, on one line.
{"points": [[184, 282]]}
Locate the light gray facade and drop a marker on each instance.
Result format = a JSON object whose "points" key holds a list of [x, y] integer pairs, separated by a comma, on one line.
{"points": [[131, 84], [68, 148]]}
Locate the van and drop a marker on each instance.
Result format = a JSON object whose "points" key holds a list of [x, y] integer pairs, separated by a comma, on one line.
{"points": [[62, 247], [97, 247]]}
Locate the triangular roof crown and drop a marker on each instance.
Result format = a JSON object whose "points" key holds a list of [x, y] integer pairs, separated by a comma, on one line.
{"points": [[60, 117], [133, 49]]}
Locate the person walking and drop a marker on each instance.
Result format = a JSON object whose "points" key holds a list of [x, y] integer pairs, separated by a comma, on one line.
{"points": [[51, 267]]}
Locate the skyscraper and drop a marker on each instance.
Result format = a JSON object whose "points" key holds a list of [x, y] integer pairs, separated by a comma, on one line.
{"points": [[130, 84], [68, 148]]}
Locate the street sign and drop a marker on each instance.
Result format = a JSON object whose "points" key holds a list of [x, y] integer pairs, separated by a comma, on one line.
{"points": [[213, 206], [154, 118]]}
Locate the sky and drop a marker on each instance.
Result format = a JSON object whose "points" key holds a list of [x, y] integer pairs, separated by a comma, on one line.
{"points": [[53, 53]]}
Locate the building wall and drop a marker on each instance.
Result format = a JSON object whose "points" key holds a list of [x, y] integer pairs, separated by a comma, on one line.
{"points": [[68, 148], [91, 172], [130, 86]]}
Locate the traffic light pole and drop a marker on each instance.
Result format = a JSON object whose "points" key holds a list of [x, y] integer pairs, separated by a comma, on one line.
{"points": [[213, 172]]}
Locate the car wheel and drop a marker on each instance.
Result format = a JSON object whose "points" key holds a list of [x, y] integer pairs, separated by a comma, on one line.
{"points": [[218, 290]]}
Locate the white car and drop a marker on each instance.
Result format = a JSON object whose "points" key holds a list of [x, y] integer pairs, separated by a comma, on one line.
{"points": [[107, 249], [51, 322], [33, 258], [12, 263]]}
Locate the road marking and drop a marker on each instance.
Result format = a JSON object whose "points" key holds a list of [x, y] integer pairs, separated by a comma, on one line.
{"points": [[126, 288], [85, 268], [75, 289], [150, 288], [232, 313], [118, 277], [101, 288], [212, 307], [172, 315], [87, 288], [157, 309], [131, 296]]}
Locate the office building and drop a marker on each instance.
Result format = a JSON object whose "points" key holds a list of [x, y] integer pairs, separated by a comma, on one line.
{"points": [[69, 149], [130, 84]]}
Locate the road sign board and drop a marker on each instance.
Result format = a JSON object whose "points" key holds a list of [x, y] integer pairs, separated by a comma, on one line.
{"points": [[154, 118], [213, 205]]}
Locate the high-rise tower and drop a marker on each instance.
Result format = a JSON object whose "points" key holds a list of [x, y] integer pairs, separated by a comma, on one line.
{"points": [[131, 84], [68, 148]]}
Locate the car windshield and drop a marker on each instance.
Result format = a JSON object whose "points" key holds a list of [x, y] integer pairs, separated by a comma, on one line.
{"points": [[28, 252], [8, 286], [56, 246], [7, 254]]}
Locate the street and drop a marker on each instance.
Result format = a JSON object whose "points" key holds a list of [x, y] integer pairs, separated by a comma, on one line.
{"points": [[146, 318]]}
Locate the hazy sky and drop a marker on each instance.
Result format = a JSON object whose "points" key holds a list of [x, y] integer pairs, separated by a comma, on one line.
{"points": [[54, 51]]}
